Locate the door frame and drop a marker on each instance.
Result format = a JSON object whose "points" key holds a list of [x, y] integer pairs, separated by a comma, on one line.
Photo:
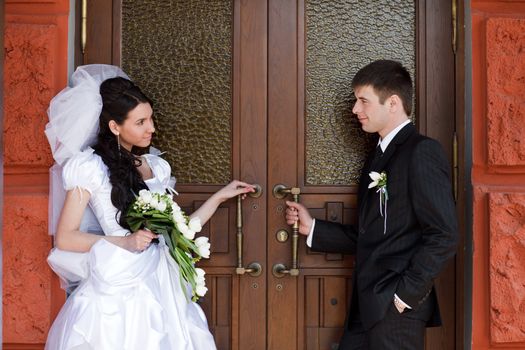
{"points": [[464, 184], [112, 54], [2, 31]]}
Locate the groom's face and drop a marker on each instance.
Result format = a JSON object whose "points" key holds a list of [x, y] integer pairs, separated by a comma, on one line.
{"points": [[371, 113]]}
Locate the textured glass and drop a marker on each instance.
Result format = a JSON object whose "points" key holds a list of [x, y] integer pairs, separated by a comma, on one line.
{"points": [[180, 54], [341, 37]]}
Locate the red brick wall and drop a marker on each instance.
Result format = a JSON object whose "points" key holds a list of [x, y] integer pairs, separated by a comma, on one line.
{"points": [[498, 174], [35, 68]]}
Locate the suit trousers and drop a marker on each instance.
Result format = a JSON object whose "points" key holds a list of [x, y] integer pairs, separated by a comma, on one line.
{"points": [[405, 331]]}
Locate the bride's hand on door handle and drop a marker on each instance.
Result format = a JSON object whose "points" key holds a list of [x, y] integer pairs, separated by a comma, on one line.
{"points": [[297, 212], [208, 208], [233, 189]]}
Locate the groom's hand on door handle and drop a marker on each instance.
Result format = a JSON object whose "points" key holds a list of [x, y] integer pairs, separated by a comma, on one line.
{"points": [[297, 212]]}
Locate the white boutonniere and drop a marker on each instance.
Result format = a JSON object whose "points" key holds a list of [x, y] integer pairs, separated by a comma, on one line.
{"points": [[379, 182]]}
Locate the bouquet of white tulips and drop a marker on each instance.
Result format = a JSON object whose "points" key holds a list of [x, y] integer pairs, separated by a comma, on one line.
{"points": [[161, 215]]}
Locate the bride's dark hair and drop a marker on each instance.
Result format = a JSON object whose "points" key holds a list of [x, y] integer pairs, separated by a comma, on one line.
{"points": [[119, 97]]}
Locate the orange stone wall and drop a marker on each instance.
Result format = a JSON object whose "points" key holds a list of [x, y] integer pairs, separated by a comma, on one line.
{"points": [[35, 69], [498, 174]]}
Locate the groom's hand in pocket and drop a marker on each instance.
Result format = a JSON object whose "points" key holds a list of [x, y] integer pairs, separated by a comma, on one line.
{"points": [[297, 212]]}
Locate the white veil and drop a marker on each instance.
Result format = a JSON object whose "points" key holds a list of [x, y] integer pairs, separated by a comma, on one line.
{"points": [[73, 126]]}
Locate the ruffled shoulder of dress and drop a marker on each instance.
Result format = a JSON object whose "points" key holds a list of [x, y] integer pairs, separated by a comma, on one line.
{"points": [[85, 170], [160, 167]]}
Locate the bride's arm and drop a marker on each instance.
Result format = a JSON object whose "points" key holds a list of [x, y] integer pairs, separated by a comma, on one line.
{"points": [[69, 237], [231, 190]]}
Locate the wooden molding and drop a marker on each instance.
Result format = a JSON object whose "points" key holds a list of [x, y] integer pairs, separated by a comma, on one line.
{"points": [[14, 346]]}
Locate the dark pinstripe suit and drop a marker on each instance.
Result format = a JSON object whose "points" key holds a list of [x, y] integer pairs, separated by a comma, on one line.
{"points": [[421, 235]]}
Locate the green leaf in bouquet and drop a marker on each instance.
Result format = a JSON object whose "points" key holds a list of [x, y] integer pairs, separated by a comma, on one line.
{"points": [[167, 238], [183, 242], [188, 245], [185, 269], [160, 231], [154, 223], [161, 215], [157, 222], [134, 214], [135, 225]]}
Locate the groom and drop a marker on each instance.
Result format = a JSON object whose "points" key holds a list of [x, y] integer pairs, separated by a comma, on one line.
{"points": [[407, 227]]}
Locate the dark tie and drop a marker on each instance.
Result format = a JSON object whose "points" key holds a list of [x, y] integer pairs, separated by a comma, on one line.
{"points": [[377, 156], [379, 152]]}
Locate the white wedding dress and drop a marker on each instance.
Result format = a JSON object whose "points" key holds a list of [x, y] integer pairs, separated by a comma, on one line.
{"points": [[124, 300]]}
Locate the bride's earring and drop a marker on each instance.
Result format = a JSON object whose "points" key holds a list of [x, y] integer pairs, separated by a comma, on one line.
{"points": [[118, 142]]}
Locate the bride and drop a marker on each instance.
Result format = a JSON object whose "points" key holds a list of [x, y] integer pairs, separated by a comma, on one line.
{"points": [[128, 294]]}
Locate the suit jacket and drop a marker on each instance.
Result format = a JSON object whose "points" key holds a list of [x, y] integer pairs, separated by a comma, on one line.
{"points": [[421, 228]]}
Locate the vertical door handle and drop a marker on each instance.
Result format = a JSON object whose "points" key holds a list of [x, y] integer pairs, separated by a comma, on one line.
{"points": [[253, 269], [279, 270], [83, 27]]}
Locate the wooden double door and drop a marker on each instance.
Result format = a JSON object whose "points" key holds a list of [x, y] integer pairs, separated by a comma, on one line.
{"points": [[279, 126]]}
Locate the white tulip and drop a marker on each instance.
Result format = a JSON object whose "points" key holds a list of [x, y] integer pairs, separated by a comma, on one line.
{"points": [[185, 230], [162, 206], [200, 282], [201, 290], [178, 217], [145, 196], [199, 273], [201, 241], [182, 226], [195, 224], [203, 246], [154, 203], [204, 252]]}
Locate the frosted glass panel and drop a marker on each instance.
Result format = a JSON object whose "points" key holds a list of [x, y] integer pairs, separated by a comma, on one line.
{"points": [[180, 53], [341, 37]]}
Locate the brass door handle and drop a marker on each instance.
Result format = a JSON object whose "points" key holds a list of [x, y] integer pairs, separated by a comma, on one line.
{"points": [[279, 270], [253, 269], [83, 27]]}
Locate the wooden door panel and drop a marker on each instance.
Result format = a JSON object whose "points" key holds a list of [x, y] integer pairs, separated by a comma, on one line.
{"points": [[234, 305], [218, 305], [220, 229], [333, 301], [325, 298], [336, 208], [250, 108], [288, 158]]}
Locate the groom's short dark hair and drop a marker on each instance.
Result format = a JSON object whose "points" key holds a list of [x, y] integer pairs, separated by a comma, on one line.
{"points": [[388, 78]]}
